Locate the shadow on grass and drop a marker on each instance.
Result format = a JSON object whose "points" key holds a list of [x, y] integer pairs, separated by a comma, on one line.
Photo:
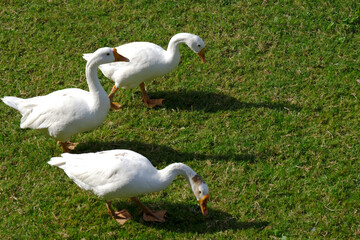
{"points": [[214, 102], [182, 217], [158, 153]]}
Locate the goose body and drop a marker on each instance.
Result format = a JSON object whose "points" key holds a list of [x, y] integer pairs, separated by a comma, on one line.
{"points": [[40, 112], [125, 174], [66, 112], [148, 61]]}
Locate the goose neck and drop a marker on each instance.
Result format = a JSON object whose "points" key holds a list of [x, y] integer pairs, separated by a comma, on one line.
{"points": [[173, 47], [92, 77], [168, 174]]}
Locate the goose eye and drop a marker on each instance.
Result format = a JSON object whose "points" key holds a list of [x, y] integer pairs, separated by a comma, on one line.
{"points": [[199, 192], [199, 45], [108, 54]]}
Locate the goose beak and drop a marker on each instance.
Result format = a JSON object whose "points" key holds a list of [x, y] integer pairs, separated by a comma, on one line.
{"points": [[119, 57], [203, 204], [201, 54]]}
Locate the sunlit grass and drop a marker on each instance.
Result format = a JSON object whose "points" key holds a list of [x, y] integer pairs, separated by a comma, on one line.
{"points": [[271, 121]]}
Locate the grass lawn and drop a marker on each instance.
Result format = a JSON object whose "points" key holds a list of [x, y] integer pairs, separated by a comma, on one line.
{"points": [[271, 121]]}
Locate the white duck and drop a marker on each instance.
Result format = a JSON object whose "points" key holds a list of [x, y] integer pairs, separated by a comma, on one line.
{"points": [[69, 111], [147, 61], [126, 174]]}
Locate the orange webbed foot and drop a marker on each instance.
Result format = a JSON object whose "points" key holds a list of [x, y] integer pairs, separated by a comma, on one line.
{"points": [[150, 103], [122, 216], [115, 106], [154, 216], [68, 146]]}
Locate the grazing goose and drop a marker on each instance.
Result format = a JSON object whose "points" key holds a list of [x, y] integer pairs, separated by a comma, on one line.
{"points": [[147, 61], [126, 174], [66, 112]]}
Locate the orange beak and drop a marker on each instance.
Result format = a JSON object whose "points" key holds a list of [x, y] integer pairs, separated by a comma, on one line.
{"points": [[201, 54], [119, 57], [203, 204]]}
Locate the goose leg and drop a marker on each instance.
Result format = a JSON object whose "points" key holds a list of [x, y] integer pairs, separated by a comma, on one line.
{"points": [[114, 105], [120, 216], [150, 103], [67, 146], [148, 215]]}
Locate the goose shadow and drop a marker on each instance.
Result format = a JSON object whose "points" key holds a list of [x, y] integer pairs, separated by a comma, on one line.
{"points": [[182, 217], [214, 102], [159, 154]]}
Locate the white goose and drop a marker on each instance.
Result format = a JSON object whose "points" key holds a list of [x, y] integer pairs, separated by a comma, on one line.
{"points": [[69, 111], [147, 61], [126, 174]]}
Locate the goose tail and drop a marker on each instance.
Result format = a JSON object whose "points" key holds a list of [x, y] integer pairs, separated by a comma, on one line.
{"points": [[87, 56], [12, 102], [57, 161]]}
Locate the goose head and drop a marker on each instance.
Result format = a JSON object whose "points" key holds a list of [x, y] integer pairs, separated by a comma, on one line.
{"points": [[201, 192], [196, 44], [107, 55]]}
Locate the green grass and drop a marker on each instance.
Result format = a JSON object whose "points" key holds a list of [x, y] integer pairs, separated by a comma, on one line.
{"points": [[271, 121]]}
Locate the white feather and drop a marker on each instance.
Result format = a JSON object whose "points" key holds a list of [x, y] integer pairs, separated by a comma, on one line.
{"points": [[118, 173], [69, 111], [147, 60]]}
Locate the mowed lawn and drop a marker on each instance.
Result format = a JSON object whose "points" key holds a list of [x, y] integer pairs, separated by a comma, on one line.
{"points": [[271, 121]]}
